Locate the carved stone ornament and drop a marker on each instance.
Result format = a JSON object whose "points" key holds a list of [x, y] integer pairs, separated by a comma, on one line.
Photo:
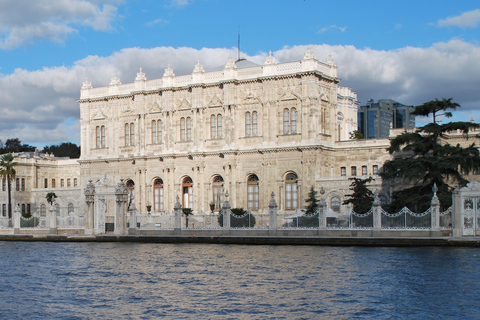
{"points": [[87, 84], [154, 108], [309, 54], [99, 115], [140, 76], [330, 61], [270, 59], [230, 63], [89, 192], [115, 80], [472, 186], [121, 192], [183, 104], [198, 68], [323, 93], [215, 102], [169, 72]]}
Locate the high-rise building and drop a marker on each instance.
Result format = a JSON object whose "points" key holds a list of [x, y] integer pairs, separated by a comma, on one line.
{"points": [[376, 119]]}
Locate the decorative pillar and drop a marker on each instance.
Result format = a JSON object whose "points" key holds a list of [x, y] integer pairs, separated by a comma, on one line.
{"points": [[226, 214], [121, 200], [322, 209], [52, 218], [435, 205], [89, 193], [457, 213], [16, 219], [377, 212], [272, 211], [177, 209]]}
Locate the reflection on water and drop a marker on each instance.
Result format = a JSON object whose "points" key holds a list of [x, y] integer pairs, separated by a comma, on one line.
{"points": [[192, 281]]}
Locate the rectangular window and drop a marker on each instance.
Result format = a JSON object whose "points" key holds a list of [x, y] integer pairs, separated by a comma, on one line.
{"points": [[17, 184], [248, 124], [375, 169], [189, 129], [45, 182], [4, 210], [4, 184], [68, 183], [343, 171], [364, 171], [213, 129], [23, 184], [354, 171], [254, 123], [219, 126], [28, 207], [53, 183], [62, 183], [75, 183]]}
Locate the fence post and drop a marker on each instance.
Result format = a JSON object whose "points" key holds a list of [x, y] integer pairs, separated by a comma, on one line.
{"points": [[89, 192], [272, 211], [226, 215], [457, 213], [16, 219], [435, 207], [52, 219], [322, 209], [121, 199], [177, 209], [377, 212]]}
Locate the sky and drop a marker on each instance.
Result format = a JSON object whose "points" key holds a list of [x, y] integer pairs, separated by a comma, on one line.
{"points": [[408, 51]]}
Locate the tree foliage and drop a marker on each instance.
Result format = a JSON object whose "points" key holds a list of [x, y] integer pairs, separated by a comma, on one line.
{"points": [[7, 172], [362, 197], [356, 135], [15, 145], [424, 158], [65, 149], [312, 201]]}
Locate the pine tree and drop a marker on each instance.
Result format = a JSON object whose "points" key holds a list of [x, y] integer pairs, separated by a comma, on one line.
{"points": [[424, 158], [312, 201], [362, 197]]}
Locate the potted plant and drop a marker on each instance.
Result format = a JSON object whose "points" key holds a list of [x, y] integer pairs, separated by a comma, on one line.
{"points": [[212, 206], [149, 207], [187, 212]]}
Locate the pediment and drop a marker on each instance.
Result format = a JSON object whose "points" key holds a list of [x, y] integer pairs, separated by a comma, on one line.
{"points": [[183, 104], [99, 115], [215, 102], [154, 108]]}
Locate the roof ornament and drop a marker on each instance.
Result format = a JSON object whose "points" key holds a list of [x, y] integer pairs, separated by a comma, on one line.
{"points": [[115, 80], [140, 76], [330, 61], [86, 84], [169, 72], [198, 68], [309, 54], [230, 63], [270, 59]]}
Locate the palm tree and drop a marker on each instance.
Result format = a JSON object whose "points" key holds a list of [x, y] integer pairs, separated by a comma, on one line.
{"points": [[7, 171]]}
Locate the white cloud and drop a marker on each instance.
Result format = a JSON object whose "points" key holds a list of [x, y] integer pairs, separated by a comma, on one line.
{"points": [[470, 19], [332, 27], [45, 20], [39, 106]]}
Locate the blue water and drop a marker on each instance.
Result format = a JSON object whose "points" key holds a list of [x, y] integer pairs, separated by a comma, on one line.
{"points": [[201, 281]]}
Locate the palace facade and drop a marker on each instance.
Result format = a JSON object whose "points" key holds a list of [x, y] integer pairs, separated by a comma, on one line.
{"points": [[243, 128]]}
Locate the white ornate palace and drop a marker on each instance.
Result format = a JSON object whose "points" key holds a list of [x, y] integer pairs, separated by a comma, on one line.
{"points": [[246, 128]]}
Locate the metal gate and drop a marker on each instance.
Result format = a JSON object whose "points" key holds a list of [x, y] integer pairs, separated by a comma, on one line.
{"points": [[471, 216]]}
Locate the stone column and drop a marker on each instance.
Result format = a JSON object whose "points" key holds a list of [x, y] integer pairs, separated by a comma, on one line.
{"points": [[52, 218], [121, 200], [226, 215], [177, 229], [377, 212], [322, 210], [272, 211], [89, 192], [435, 206], [457, 213], [16, 219]]}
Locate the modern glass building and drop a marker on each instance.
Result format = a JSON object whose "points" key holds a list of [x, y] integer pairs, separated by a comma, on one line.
{"points": [[376, 119]]}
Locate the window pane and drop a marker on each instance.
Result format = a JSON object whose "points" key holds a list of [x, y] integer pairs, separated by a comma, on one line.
{"points": [[286, 121], [213, 127], [219, 126], [254, 123], [248, 124], [294, 120]]}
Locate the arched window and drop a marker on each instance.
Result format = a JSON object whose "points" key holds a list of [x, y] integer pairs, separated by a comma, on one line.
{"points": [[75, 182], [98, 134], [159, 131], [293, 120], [335, 204], [248, 124], [132, 134], [187, 192], [127, 134], [102, 139], [182, 129], [43, 210], [254, 123], [71, 208], [217, 189], [219, 126], [286, 121], [291, 191], [189, 129], [57, 209], [158, 196], [252, 192], [154, 131], [23, 208], [213, 123]]}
